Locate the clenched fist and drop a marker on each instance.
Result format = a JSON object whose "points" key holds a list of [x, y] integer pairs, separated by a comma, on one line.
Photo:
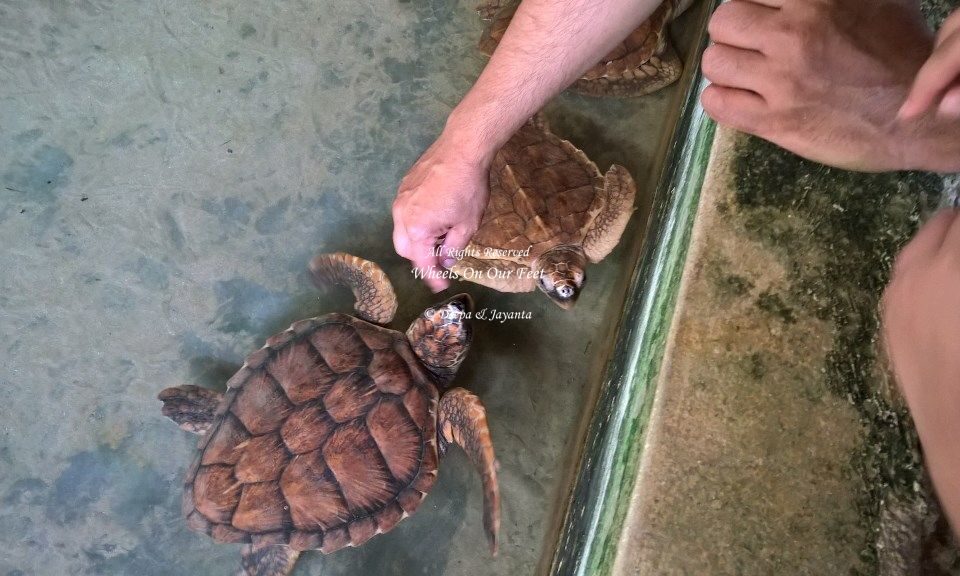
{"points": [[439, 206]]}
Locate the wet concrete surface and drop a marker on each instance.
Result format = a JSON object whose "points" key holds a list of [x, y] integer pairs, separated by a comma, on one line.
{"points": [[166, 171]]}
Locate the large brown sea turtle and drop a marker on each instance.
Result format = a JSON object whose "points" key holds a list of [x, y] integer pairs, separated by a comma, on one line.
{"points": [[331, 433], [550, 212], [644, 62]]}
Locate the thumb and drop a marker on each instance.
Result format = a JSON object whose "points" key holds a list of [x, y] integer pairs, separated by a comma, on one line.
{"points": [[934, 79], [455, 241]]}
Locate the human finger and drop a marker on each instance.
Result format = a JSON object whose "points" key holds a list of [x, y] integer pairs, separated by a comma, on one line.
{"points": [[740, 109], [935, 77], [948, 28], [417, 244], [950, 103], [741, 24], [732, 67], [401, 240], [455, 241], [423, 243]]}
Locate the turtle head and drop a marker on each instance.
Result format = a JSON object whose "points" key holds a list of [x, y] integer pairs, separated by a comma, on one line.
{"points": [[441, 336], [561, 272]]}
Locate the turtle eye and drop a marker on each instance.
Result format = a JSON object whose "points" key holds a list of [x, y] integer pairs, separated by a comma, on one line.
{"points": [[429, 312]]}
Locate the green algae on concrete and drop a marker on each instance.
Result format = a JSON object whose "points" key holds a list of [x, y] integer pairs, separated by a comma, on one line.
{"points": [[777, 443], [730, 481], [836, 234]]}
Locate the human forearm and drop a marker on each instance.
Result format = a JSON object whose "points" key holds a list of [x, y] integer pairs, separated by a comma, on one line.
{"points": [[548, 45]]}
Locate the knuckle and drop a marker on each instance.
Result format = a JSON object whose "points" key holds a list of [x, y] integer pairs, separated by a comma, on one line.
{"points": [[401, 246], [712, 101], [710, 60], [418, 232], [724, 19]]}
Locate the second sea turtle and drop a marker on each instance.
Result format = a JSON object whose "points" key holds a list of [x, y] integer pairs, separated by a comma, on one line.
{"points": [[644, 62], [551, 212]]}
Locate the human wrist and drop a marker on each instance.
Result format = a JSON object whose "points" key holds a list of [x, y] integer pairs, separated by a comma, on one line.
{"points": [[469, 134]]}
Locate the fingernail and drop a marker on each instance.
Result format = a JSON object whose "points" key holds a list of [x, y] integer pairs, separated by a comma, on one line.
{"points": [[448, 262]]}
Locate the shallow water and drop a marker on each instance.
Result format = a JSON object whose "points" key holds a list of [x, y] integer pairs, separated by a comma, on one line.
{"points": [[167, 170]]}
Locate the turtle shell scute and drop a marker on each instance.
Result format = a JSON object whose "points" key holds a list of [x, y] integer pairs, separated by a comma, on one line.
{"points": [[328, 440]]}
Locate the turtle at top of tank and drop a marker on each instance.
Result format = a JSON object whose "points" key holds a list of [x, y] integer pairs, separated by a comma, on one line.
{"points": [[332, 432], [644, 62]]}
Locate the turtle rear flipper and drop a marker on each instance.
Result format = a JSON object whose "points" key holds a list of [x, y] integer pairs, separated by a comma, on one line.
{"points": [[462, 420], [487, 9], [375, 300], [191, 407], [657, 73], [608, 226], [499, 14], [644, 62], [266, 560]]}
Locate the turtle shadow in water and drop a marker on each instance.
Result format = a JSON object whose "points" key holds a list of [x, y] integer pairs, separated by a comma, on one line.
{"points": [[210, 372]]}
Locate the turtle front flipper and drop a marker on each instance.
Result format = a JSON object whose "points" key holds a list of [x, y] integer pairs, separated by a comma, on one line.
{"points": [[463, 421], [375, 300], [266, 560], [191, 407], [611, 221]]}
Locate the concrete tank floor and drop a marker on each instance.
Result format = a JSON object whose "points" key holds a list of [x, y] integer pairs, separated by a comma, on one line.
{"points": [[167, 170]]}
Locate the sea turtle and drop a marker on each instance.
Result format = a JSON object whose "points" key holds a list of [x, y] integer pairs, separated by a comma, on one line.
{"points": [[550, 212], [644, 62], [331, 433]]}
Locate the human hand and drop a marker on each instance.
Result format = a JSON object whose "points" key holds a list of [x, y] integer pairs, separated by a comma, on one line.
{"points": [[440, 203], [825, 80], [938, 82], [921, 329]]}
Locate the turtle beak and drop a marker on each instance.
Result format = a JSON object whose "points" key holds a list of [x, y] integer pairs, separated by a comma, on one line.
{"points": [[461, 303]]}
